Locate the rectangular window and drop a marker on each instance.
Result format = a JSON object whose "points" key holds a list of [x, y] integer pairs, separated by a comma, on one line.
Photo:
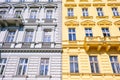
{"points": [[70, 12], [44, 64], [88, 32], [47, 35], [50, 0], [106, 32], [74, 64], [28, 35], [10, 36], [18, 14], [115, 65], [100, 12], [49, 14], [72, 34], [115, 11], [22, 67], [3, 62], [22, 1], [36, 0], [85, 11], [2, 12], [33, 14], [94, 64], [7, 0]]}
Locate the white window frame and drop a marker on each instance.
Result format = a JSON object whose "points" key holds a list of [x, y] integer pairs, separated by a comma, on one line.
{"points": [[88, 32], [94, 62], [44, 64], [115, 11], [3, 63], [106, 32], [116, 64], [33, 14], [100, 11], [85, 11], [74, 62], [29, 33], [17, 15], [12, 36], [23, 65], [72, 33], [70, 12], [47, 35]]}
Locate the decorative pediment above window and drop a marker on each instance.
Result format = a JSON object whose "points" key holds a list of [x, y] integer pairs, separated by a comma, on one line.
{"points": [[20, 5], [5, 5], [88, 23], [34, 5], [98, 4], [104, 23], [117, 23], [71, 23], [50, 5], [113, 4], [84, 5], [70, 5]]}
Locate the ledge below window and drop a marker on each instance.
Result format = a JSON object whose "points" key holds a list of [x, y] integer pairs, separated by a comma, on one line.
{"points": [[43, 76], [21, 76], [115, 16], [86, 17], [102, 17]]}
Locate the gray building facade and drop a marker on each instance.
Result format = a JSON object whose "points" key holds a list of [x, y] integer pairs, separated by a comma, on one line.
{"points": [[30, 39]]}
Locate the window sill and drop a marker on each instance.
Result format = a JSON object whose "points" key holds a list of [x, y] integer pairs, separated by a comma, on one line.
{"points": [[43, 76], [115, 17], [86, 17], [102, 17], [24, 76], [71, 17]]}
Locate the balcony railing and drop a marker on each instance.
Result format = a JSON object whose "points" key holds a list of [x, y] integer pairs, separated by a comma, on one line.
{"points": [[105, 42]]}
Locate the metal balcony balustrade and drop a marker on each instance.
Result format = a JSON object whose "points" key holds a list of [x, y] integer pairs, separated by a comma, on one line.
{"points": [[26, 45], [102, 42], [10, 19]]}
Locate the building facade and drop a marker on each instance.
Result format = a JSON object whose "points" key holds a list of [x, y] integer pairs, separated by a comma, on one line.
{"points": [[90, 40], [30, 39]]}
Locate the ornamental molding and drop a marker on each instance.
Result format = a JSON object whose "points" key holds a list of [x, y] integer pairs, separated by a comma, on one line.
{"points": [[70, 5], [113, 4], [88, 23], [104, 23], [72, 23], [85, 5], [98, 4], [117, 22]]}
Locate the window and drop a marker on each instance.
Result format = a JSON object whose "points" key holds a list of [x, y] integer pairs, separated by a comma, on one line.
{"points": [[70, 12], [88, 32], [44, 66], [72, 34], [10, 36], [22, 67], [106, 32], [115, 11], [100, 11], [115, 65], [50, 0], [28, 35], [85, 11], [33, 14], [7, 0], [2, 12], [3, 62], [74, 64], [22, 1], [18, 14], [47, 35], [49, 14], [36, 0], [94, 64]]}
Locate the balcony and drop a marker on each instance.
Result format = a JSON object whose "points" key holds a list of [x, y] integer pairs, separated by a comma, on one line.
{"points": [[10, 19], [49, 20], [102, 42]]}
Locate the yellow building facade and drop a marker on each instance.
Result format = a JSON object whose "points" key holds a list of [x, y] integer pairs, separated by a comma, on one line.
{"points": [[91, 39]]}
